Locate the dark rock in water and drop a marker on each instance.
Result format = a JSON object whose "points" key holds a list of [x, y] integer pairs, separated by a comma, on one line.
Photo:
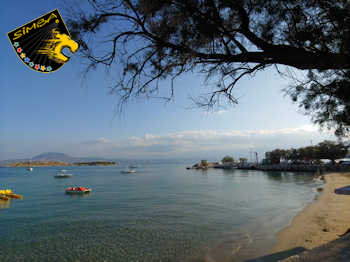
{"points": [[319, 189]]}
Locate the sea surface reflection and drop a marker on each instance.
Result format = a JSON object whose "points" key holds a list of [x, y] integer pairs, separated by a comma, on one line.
{"points": [[161, 213]]}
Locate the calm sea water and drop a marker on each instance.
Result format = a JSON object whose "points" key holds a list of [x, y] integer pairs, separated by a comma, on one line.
{"points": [[161, 213]]}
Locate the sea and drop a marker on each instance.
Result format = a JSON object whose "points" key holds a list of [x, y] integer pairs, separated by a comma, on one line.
{"points": [[163, 212]]}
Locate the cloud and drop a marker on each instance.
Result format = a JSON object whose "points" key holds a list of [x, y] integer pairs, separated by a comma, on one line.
{"points": [[215, 112], [100, 140], [211, 143]]}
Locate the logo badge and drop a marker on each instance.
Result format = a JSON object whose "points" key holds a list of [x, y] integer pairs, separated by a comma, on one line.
{"points": [[39, 44]]}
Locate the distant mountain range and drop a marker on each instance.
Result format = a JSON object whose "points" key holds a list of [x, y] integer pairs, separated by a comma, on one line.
{"points": [[53, 156]]}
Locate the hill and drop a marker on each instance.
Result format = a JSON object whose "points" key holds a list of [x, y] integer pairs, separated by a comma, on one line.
{"points": [[52, 157]]}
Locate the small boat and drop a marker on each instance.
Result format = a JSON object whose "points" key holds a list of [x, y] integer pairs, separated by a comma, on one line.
{"points": [[12, 195], [29, 168], [63, 174], [78, 190], [129, 171]]}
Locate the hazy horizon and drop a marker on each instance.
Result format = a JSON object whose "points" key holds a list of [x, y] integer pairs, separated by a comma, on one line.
{"points": [[207, 144]]}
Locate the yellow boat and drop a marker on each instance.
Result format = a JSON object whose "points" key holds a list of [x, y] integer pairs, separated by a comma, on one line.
{"points": [[15, 196], [3, 197], [9, 193]]}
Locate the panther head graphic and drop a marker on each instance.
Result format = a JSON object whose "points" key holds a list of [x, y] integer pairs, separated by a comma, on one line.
{"points": [[53, 47]]}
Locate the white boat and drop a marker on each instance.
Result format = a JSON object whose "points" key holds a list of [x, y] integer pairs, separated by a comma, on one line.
{"points": [[29, 168], [63, 174], [129, 171]]}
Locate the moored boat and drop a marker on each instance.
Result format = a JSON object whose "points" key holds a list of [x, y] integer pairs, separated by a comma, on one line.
{"points": [[30, 168], [15, 196], [63, 175], [78, 190], [129, 171]]}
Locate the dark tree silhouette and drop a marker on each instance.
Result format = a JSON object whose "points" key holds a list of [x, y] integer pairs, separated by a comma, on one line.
{"points": [[323, 150], [227, 159], [227, 40], [331, 150]]}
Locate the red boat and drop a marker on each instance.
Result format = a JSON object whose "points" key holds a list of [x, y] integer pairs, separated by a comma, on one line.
{"points": [[78, 190]]}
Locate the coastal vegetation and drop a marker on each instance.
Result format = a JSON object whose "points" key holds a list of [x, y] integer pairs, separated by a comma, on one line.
{"points": [[204, 163], [228, 159], [311, 154], [38, 163], [95, 163]]}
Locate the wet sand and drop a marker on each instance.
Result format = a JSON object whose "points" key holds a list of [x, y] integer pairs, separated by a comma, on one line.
{"points": [[320, 222]]}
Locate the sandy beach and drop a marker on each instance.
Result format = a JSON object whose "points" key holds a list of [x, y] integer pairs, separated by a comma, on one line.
{"points": [[321, 221]]}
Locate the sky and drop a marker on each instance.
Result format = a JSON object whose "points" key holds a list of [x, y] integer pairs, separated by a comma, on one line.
{"points": [[60, 112]]}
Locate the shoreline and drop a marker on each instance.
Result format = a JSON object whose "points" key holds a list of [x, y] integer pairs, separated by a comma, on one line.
{"points": [[321, 221]]}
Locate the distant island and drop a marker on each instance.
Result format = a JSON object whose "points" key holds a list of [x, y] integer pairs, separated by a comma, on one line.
{"points": [[59, 163], [57, 159], [37, 163]]}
